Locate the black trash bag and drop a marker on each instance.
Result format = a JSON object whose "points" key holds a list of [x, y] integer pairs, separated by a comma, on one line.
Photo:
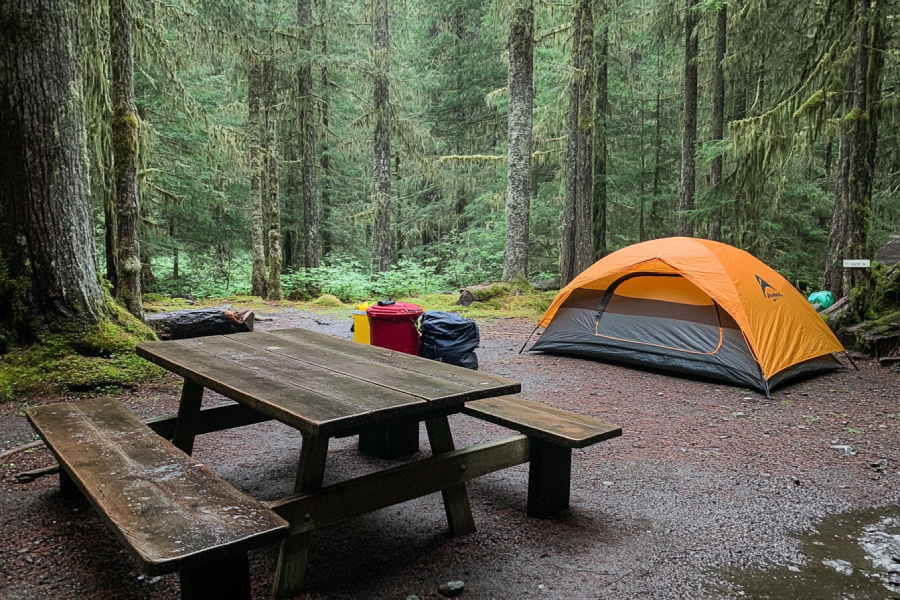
{"points": [[449, 338]]}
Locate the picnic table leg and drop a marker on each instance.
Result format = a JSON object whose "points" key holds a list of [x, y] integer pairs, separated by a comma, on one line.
{"points": [[225, 578], [188, 414], [291, 569], [67, 487], [456, 498], [549, 474]]}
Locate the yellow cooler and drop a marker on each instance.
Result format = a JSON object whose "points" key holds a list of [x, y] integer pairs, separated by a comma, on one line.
{"points": [[361, 324]]}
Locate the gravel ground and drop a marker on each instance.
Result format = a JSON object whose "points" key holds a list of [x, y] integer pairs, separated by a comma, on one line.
{"points": [[707, 481]]}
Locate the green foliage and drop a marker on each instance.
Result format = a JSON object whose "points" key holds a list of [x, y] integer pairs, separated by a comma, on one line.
{"points": [[350, 281], [448, 174]]}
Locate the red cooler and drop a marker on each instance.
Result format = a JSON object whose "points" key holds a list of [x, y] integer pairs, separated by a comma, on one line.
{"points": [[393, 325]]}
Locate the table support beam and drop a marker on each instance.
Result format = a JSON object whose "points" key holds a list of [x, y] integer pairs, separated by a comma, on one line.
{"points": [[210, 419], [362, 495], [188, 412], [294, 556], [456, 498]]}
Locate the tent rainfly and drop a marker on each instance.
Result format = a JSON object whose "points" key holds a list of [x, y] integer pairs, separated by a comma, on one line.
{"points": [[691, 306]]}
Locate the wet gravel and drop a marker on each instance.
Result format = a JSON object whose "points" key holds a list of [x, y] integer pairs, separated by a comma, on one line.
{"points": [[706, 479]]}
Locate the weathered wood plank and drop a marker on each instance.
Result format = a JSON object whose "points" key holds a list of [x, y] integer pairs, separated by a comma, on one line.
{"points": [[475, 380], [210, 419], [294, 556], [306, 375], [436, 390], [456, 498], [168, 510], [348, 499], [306, 411], [544, 422]]}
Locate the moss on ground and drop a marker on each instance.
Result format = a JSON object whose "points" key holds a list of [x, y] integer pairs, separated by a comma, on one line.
{"points": [[515, 303], [328, 300], [65, 359]]}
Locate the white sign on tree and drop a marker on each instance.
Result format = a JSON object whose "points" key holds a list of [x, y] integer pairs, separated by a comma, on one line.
{"points": [[858, 263]]}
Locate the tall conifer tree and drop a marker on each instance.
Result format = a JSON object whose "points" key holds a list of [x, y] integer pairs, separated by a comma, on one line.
{"points": [[689, 137], [518, 165], [381, 234]]}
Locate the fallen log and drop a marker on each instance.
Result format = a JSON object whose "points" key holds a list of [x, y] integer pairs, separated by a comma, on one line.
{"points": [[181, 324]]}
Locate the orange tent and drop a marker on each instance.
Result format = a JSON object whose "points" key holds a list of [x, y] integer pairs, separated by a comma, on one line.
{"points": [[693, 306]]}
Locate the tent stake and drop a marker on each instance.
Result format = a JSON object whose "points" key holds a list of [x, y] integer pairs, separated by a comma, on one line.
{"points": [[528, 338]]}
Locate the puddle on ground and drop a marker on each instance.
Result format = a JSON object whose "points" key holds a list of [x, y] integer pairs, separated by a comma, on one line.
{"points": [[851, 556]]}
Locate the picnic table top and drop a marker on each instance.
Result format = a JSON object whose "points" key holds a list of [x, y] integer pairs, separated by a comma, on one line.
{"points": [[320, 384]]}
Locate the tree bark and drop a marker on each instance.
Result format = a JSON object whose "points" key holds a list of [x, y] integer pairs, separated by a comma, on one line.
{"points": [[48, 261], [584, 247], [325, 233], [258, 217], [273, 286], [851, 219], [718, 119], [576, 242], [689, 138], [656, 224], [308, 137], [381, 235], [601, 117], [518, 164], [125, 146]]}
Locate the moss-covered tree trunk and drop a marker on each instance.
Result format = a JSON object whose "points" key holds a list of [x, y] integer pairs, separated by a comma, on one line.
{"points": [[308, 137], [125, 149], [718, 118], [584, 77], [381, 234], [273, 286], [48, 269], [325, 219], [601, 115], [852, 216], [577, 245], [656, 221], [258, 216], [689, 137], [518, 164]]}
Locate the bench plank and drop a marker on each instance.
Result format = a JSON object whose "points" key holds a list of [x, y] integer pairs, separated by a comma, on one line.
{"points": [[169, 511], [554, 425]]}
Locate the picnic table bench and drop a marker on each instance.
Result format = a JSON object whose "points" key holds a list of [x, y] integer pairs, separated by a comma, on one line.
{"points": [[170, 512], [149, 490]]}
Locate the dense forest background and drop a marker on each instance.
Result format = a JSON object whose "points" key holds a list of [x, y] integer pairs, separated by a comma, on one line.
{"points": [[261, 136]]}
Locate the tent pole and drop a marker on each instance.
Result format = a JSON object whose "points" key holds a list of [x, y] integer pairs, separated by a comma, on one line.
{"points": [[850, 358], [528, 338], [768, 393]]}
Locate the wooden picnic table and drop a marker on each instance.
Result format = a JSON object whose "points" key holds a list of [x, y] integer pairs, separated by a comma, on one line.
{"points": [[328, 387]]}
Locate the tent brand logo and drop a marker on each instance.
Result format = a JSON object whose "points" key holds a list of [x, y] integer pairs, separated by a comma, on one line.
{"points": [[768, 290]]}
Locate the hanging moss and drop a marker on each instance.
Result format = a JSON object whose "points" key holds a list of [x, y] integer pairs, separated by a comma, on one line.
{"points": [[854, 116], [810, 106]]}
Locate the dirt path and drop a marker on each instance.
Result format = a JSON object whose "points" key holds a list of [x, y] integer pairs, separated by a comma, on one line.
{"points": [[706, 478]]}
